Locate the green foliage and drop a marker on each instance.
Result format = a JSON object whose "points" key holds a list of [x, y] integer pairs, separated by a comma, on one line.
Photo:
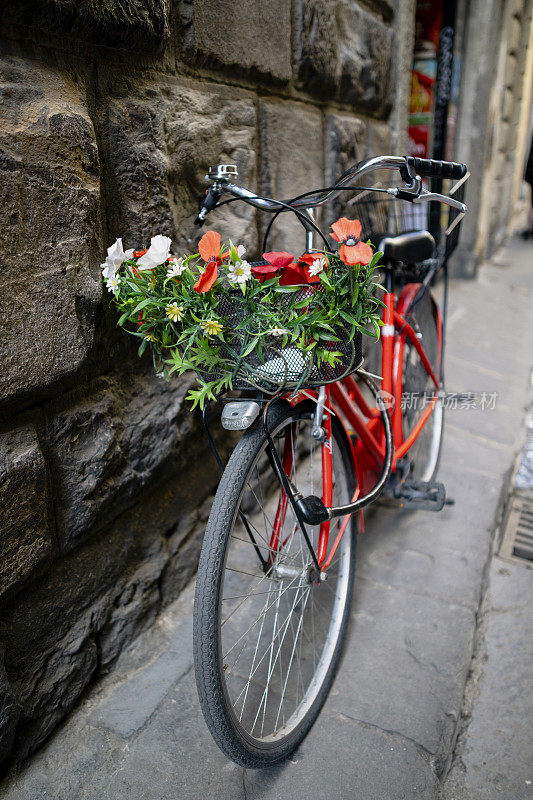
{"points": [[185, 329]]}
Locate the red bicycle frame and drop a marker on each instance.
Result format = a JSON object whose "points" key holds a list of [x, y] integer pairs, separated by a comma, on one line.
{"points": [[346, 401]]}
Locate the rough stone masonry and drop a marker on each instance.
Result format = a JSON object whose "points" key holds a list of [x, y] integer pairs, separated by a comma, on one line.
{"points": [[110, 114]]}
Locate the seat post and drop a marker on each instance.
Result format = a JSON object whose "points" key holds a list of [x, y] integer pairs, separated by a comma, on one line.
{"points": [[388, 282], [310, 234]]}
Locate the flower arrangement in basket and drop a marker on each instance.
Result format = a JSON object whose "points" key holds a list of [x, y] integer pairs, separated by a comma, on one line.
{"points": [[281, 323]]}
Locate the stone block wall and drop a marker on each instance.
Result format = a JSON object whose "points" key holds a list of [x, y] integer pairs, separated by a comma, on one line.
{"points": [[110, 114]]}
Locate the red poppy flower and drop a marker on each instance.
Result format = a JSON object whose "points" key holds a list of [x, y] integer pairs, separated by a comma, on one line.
{"points": [[276, 261], [352, 250], [207, 278], [280, 260], [307, 260], [293, 274], [139, 253], [209, 247]]}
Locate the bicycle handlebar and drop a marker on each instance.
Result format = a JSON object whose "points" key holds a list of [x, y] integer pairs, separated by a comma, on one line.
{"points": [[411, 169], [430, 168]]}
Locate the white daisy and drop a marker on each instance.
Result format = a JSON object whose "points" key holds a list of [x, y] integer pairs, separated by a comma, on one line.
{"points": [[176, 266], [318, 266], [277, 332], [240, 272], [113, 284]]}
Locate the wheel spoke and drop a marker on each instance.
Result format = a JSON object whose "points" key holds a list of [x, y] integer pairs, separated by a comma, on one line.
{"points": [[278, 632]]}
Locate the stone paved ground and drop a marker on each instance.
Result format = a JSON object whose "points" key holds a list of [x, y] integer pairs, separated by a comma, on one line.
{"points": [[388, 730]]}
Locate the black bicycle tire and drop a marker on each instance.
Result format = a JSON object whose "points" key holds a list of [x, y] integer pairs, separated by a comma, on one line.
{"points": [[429, 299], [205, 622]]}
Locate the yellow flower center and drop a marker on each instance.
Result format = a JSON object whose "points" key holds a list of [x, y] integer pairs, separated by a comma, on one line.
{"points": [[211, 327], [175, 312]]}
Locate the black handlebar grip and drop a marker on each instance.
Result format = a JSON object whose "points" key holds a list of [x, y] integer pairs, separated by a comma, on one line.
{"points": [[207, 204], [430, 168]]}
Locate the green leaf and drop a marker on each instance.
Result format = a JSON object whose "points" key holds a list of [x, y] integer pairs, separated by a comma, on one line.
{"points": [[375, 258], [325, 280], [142, 304], [288, 289], [251, 346]]}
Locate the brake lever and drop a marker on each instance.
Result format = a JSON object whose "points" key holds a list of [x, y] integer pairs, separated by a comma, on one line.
{"points": [[426, 196]]}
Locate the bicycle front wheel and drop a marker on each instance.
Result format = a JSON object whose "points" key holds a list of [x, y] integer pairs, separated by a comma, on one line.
{"points": [[267, 635]]}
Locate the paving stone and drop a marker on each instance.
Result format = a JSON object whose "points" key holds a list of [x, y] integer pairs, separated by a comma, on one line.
{"points": [[83, 749], [149, 685], [405, 664], [343, 758], [173, 757], [495, 756]]}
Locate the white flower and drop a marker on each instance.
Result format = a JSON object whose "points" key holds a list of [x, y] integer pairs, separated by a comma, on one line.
{"points": [[113, 284], [241, 249], [115, 258], [174, 312], [318, 266], [175, 267], [157, 253], [277, 332], [240, 272]]}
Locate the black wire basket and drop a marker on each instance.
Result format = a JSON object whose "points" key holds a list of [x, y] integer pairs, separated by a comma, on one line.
{"points": [[271, 368]]}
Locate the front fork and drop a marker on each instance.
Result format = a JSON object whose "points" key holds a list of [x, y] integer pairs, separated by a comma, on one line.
{"points": [[321, 432], [327, 475]]}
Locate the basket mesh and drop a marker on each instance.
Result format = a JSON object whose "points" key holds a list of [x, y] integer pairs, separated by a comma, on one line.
{"points": [[271, 367]]}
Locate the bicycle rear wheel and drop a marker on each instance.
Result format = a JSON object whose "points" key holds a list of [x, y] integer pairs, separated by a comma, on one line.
{"points": [[267, 637], [424, 454]]}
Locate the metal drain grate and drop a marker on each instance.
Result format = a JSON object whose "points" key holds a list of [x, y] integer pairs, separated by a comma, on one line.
{"points": [[517, 540]]}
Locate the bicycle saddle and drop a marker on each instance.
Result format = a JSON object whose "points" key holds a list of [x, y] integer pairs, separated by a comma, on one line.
{"points": [[409, 248]]}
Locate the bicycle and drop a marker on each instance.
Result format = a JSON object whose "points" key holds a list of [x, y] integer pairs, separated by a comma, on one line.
{"points": [[276, 571]]}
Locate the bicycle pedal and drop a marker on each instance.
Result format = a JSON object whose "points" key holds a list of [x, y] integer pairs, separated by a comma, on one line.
{"points": [[427, 496]]}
